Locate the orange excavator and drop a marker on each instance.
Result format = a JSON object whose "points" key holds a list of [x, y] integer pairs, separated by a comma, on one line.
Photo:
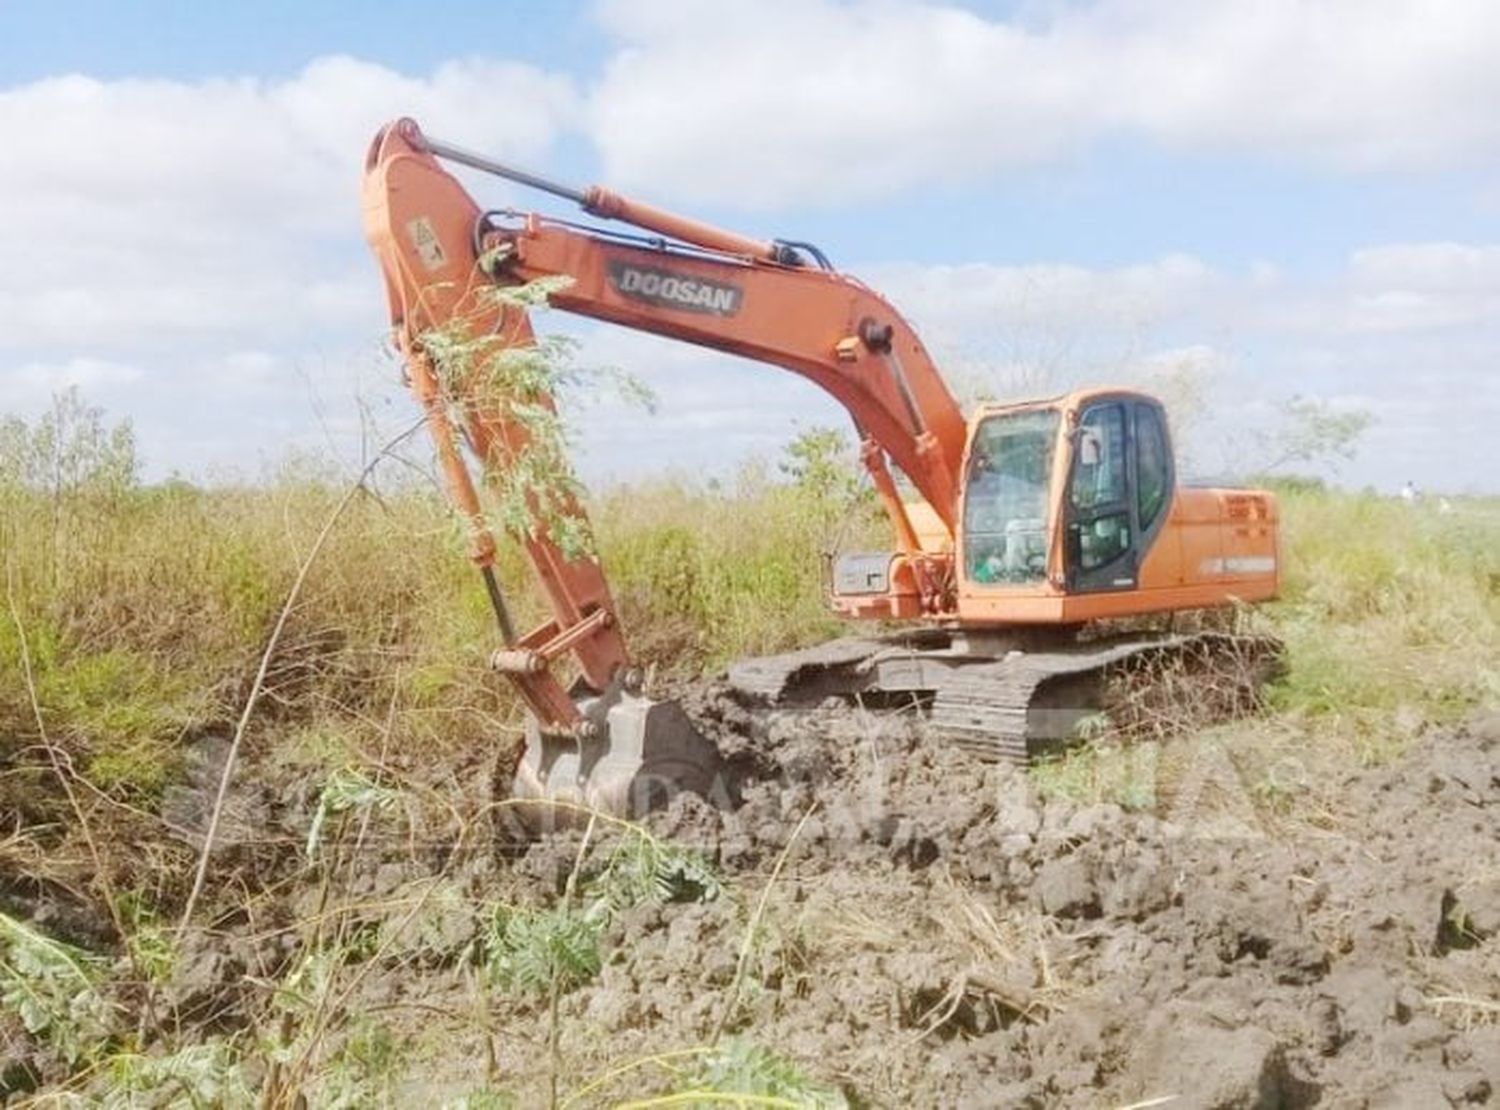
{"points": [[1029, 540]]}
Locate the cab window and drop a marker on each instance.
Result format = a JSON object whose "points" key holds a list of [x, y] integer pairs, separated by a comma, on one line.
{"points": [[1151, 464], [1005, 500], [1098, 491], [1099, 477]]}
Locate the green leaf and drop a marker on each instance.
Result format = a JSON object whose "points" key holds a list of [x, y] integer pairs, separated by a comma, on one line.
{"points": [[346, 789]]}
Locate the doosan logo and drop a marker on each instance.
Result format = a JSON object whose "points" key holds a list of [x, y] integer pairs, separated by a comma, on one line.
{"points": [[673, 290]]}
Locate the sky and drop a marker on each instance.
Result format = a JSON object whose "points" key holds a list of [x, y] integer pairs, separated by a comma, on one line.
{"points": [[1245, 201]]}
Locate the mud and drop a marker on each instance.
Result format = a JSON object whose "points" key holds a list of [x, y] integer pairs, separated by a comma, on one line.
{"points": [[937, 933], [938, 936]]}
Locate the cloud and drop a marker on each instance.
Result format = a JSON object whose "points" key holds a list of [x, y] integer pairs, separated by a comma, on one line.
{"points": [[712, 410], [1045, 295], [152, 212], [782, 102], [205, 161], [1391, 288], [1424, 286], [189, 252], [31, 386]]}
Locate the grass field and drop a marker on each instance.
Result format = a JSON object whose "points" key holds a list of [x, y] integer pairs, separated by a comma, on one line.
{"points": [[135, 616], [146, 607]]}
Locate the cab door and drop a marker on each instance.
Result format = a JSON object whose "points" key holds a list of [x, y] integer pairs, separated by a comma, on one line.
{"points": [[1119, 489]]}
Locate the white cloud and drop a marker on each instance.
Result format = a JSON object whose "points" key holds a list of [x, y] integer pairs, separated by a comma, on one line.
{"points": [[1424, 285], [190, 252], [712, 410], [30, 386], [1392, 288], [772, 102], [207, 161], [1436, 267], [151, 209], [1045, 295]]}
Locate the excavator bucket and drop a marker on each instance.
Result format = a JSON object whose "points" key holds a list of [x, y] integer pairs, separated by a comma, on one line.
{"points": [[642, 753]]}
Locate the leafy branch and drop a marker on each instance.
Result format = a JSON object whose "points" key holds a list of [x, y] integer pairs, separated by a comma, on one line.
{"points": [[53, 987], [644, 868], [531, 951], [345, 790], [205, 1075], [1313, 431], [487, 379]]}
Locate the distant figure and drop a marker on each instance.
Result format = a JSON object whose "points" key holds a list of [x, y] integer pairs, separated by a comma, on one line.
{"points": [[1409, 493]]}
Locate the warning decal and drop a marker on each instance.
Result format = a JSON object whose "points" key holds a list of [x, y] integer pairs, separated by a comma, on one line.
{"points": [[425, 240]]}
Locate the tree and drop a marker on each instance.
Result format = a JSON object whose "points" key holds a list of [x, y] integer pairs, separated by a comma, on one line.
{"points": [[826, 473], [821, 462], [1313, 432], [69, 450]]}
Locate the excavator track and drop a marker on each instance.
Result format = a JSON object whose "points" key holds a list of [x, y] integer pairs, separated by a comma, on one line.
{"points": [[1013, 699]]}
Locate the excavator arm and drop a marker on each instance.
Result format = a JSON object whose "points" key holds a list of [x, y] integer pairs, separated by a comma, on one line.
{"points": [[773, 302]]}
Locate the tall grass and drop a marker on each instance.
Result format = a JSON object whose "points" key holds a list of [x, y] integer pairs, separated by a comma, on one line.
{"points": [[146, 606], [145, 632], [1390, 612], [705, 574]]}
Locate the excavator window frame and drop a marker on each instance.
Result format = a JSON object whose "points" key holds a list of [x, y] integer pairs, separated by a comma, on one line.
{"points": [[1148, 523]]}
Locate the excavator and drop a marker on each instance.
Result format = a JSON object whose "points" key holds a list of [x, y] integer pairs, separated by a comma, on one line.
{"points": [[1038, 548]]}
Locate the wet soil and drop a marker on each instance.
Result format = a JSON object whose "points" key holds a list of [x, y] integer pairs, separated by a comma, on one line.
{"points": [[911, 927], [940, 936]]}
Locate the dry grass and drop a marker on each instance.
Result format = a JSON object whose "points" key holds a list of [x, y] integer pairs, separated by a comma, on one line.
{"points": [[1391, 615]]}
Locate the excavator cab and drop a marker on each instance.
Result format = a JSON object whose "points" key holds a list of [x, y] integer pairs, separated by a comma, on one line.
{"points": [[1070, 511], [1069, 492]]}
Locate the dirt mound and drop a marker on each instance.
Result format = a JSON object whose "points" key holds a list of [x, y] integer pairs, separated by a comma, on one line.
{"points": [[908, 926], [939, 936]]}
